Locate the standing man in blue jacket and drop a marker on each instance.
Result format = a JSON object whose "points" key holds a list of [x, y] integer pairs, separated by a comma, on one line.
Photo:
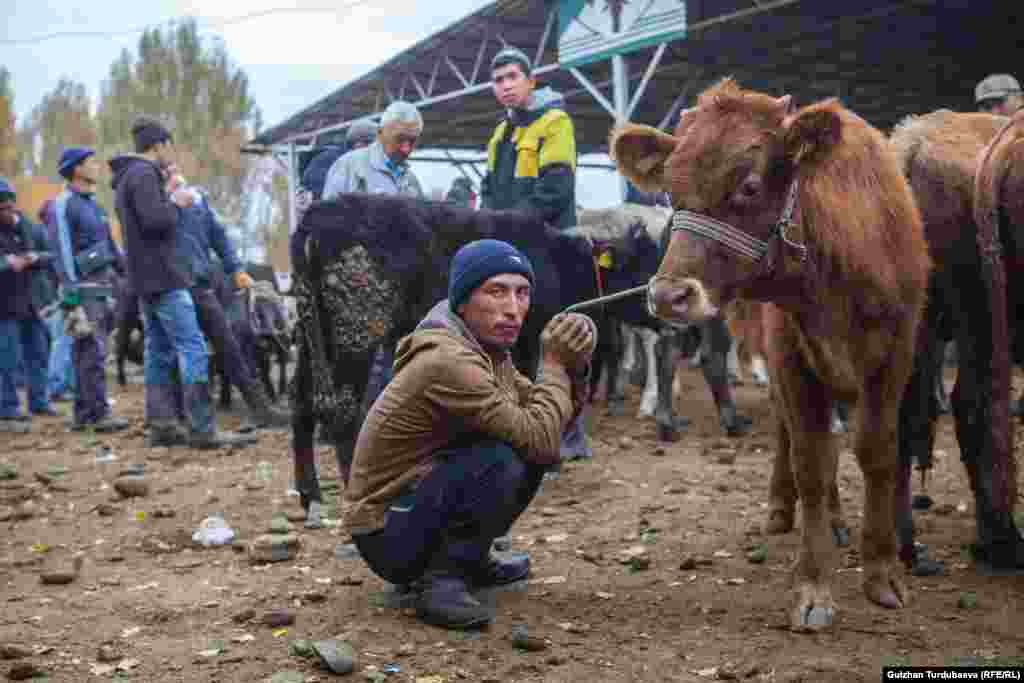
{"points": [[27, 290], [204, 232], [160, 272], [86, 260]]}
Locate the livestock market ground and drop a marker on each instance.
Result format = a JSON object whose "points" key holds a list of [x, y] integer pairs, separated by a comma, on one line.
{"points": [[149, 606]]}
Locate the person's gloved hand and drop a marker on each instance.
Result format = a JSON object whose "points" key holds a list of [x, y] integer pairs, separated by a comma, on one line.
{"points": [[242, 280], [569, 340]]}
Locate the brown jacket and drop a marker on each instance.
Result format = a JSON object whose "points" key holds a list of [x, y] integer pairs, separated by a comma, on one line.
{"points": [[445, 386]]}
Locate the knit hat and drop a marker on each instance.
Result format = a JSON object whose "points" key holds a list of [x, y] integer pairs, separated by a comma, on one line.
{"points": [[477, 261], [6, 187], [511, 55], [71, 157], [148, 132]]}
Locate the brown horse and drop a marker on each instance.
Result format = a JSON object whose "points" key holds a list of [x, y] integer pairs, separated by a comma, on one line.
{"points": [[942, 154], [808, 210]]}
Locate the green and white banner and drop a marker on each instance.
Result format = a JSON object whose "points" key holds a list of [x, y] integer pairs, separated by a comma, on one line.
{"points": [[591, 30]]}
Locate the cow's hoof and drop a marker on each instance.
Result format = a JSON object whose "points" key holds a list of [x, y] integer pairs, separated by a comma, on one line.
{"points": [[885, 588], [779, 522], [841, 536], [616, 407]]}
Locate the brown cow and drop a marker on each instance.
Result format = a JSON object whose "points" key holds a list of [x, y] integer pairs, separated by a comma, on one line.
{"points": [[941, 154], [848, 276], [745, 320]]}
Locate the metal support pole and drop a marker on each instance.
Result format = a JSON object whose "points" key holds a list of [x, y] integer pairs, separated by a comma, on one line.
{"points": [[292, 188], [620, 94]]}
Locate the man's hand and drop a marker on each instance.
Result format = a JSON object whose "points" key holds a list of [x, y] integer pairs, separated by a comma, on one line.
{"points": [[17, 263], [182, 198], [569, 340], [242, 280]]}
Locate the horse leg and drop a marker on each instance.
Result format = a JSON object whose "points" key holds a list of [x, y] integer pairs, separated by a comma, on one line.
{"points": [[649, 398], [628, 353], [805, 405], [732, 364], [715, 344]]}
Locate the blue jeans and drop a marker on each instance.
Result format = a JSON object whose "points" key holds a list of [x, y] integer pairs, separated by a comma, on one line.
{"points": [[24, 343], [473, 495], [173, 339], [60, 373]]}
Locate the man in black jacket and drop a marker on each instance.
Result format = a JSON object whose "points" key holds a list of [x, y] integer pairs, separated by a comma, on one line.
{"points": [[27, 290], [159, 269]]}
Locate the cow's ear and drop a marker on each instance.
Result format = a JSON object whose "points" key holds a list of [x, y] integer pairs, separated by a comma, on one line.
{"points": [[640, 153], [812, 132]]}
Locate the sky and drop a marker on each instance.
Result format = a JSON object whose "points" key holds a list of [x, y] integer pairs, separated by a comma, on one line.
{"points": [[292, 58]]}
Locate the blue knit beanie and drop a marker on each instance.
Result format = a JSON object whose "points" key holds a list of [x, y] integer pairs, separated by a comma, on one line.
{"points": [[71, 157], [477, 261]]}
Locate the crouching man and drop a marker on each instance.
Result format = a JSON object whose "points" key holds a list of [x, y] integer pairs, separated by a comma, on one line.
{"points": [[454, 449]]}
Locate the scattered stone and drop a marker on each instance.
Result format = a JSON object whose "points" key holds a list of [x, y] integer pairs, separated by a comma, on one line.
{"points": [[722, 488], [691, 562], [300, 648], [659, 451], [132, 486], [280, 525], [6, 514], [967, 600], [109, 652], [26, 510], [107, 510], [13, 651], [8, 472], [522, 640], [278, 619], [287, 677], [62, 576], [244, 616], [252, 485], [164, 513], [406, 650], [944, 509], [336, 655], [274, 548], [295, 516], [626, 443], [23, 671], [314, 597], [675, 490], [758, 555], [725, 457]]}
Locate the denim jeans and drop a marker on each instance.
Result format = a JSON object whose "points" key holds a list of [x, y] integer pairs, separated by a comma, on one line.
{"points": [[173, 339], [24, 343], [60, 372], [473, 495]]}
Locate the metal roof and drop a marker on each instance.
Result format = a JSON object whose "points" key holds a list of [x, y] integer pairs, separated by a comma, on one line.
{"points": [[884, 58]]}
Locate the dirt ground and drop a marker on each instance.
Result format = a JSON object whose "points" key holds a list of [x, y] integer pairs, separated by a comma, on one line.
{"points": [[166, 610]]}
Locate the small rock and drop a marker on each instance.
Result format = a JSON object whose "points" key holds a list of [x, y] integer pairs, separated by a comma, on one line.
{"points": [[944, 509], [336, 655], [967, 600], [26, 510], [274, 548], [278, 619], [295, 516], [522, 640], [658, 451], [626, 443], [244, 616], [722, 488], [12, 651], [132, 486], [300, 648], [758, 555], [406, 650], [109, 652], [63, 576], [8, 472], [164, 513], [688, 563], [726, 458], [280, 525], [675, 490], [23, 671], [107, 510]]}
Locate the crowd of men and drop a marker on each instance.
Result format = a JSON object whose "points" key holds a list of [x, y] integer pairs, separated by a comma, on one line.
{"points": [[61, 275], [455, 440]]}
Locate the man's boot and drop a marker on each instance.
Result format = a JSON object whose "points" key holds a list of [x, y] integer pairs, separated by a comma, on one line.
{"points": [[162, 416], [445, 599], [204, 434], [262, 413]]}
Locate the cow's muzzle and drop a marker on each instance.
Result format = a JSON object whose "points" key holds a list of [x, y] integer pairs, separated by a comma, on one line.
{"points": [[685, 299]]}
